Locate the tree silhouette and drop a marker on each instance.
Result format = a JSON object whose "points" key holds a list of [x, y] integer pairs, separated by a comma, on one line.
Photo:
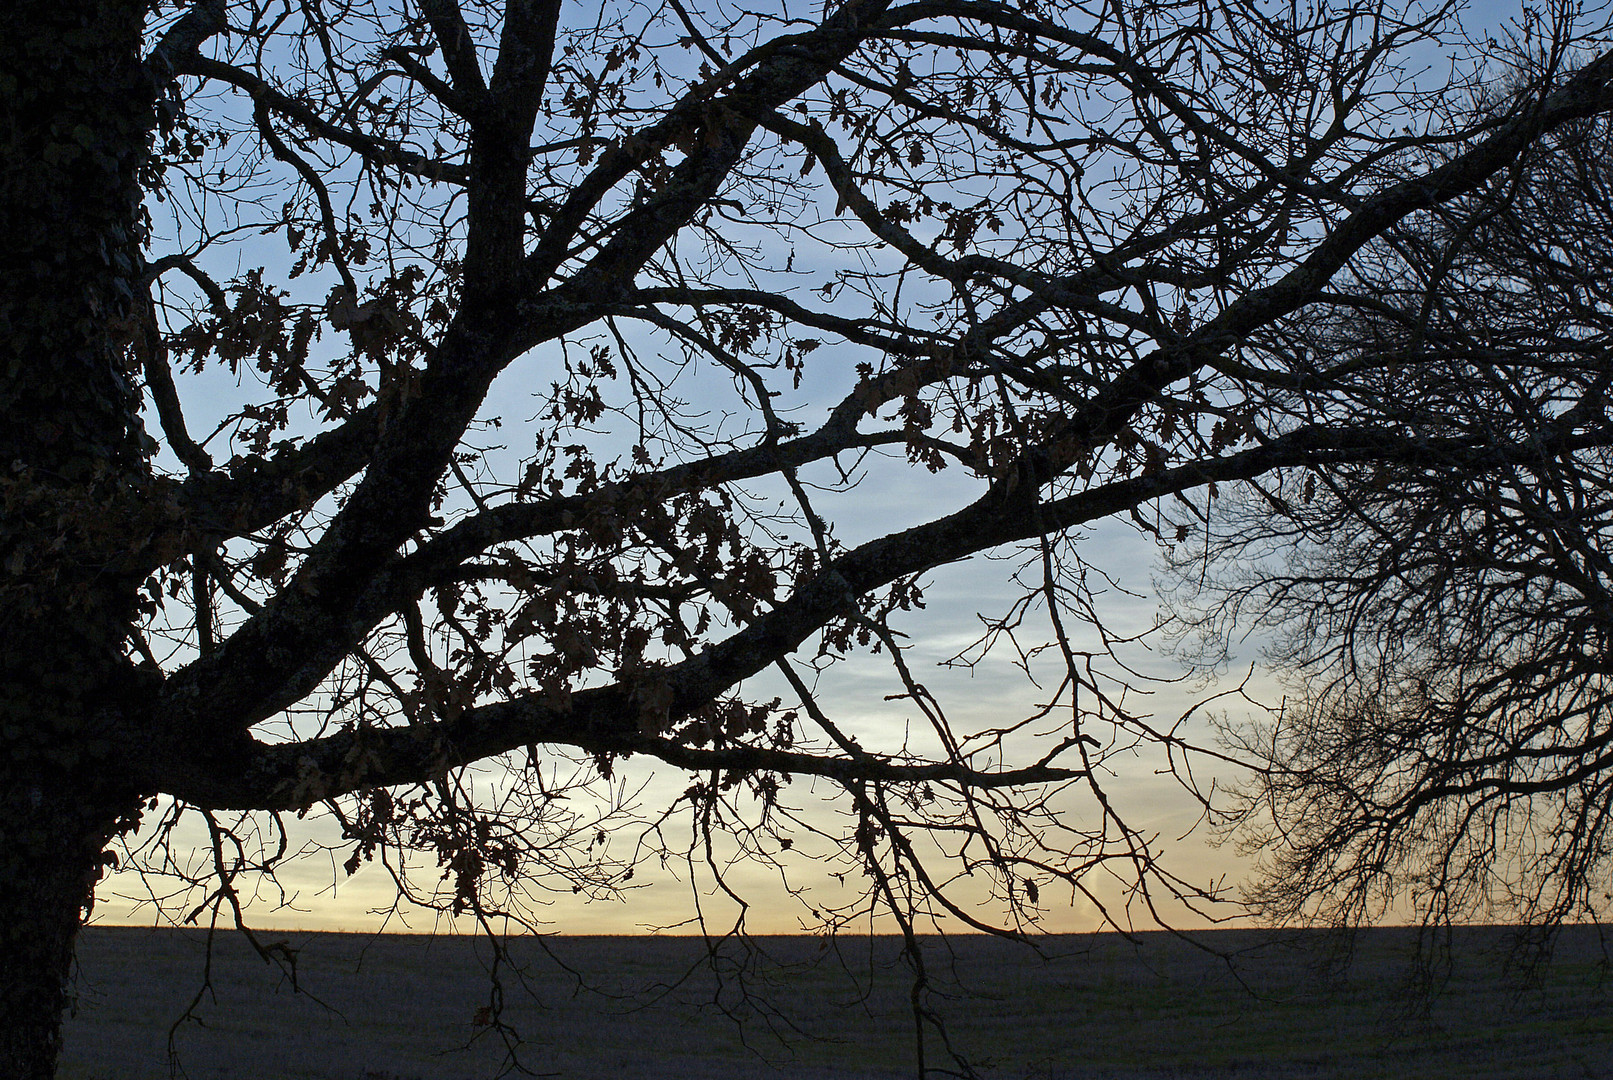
{"points": [[268, 262], [1444, 617]]}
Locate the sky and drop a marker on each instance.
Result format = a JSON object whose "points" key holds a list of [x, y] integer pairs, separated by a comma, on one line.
{"points": [[318, 894], [315, 892]]}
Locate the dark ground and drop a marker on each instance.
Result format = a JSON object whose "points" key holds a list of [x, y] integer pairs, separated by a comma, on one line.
{"points": [[1096, 1006]]}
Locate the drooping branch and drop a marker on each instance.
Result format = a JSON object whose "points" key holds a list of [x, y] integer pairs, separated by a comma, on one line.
{"points": [[289, 777], [381, 153], [614, 719]]}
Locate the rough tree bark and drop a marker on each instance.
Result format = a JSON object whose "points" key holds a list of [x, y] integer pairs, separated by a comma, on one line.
{"points": [[76, 133]]}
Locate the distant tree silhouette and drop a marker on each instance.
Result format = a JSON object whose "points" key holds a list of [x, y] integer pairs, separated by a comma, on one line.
{"points": [[265, 264], [1444, 617]]}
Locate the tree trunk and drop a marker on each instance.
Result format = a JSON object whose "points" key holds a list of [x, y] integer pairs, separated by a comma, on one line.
{"points": [[76, 120], [64, 692], [50, 857]]}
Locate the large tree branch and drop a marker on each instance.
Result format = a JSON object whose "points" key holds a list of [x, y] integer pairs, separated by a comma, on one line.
{"points": [[320, 635], [292, 776], [203, 20], [288, 647], [501, 139], [284, 652], [612, 719], [716, 130], [249, 494], [458, 50], [1586, 93]]}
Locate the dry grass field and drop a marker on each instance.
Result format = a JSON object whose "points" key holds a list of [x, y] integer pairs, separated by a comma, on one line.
{"points": [[404, 1008]]}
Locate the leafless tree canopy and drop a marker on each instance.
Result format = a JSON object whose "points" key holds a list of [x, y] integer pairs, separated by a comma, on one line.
{"points": [[1444, 616], [395, 388]]}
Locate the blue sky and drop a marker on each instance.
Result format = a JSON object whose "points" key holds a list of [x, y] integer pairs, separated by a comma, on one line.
{"points": [[319, 894]]}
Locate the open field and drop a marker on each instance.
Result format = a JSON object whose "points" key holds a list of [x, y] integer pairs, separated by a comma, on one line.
{"points": [[403, 1008]]}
